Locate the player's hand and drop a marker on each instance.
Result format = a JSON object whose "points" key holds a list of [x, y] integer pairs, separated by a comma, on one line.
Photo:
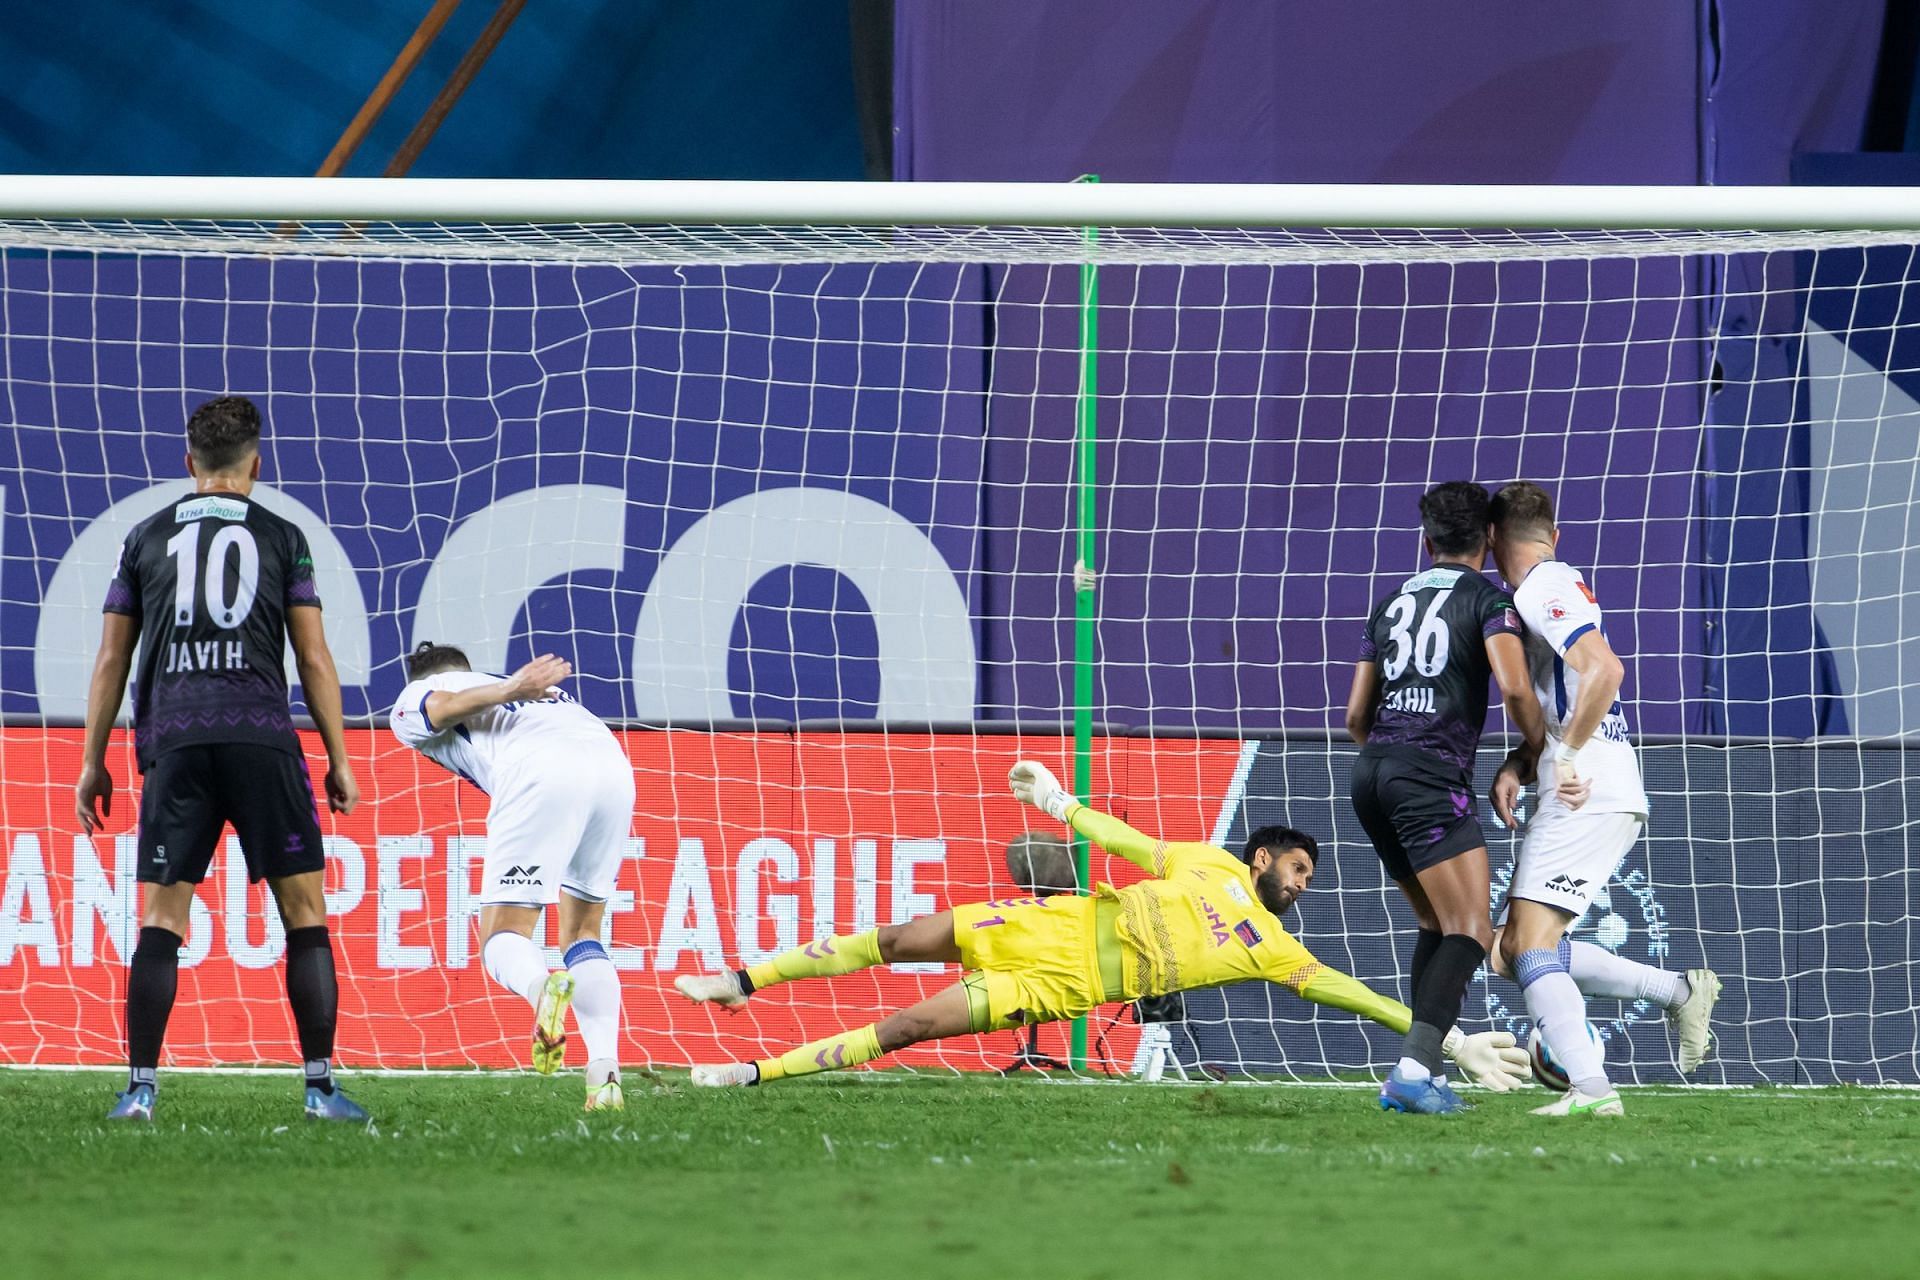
{"points": [[1505, 794], [1033, 783], [343, 790], [1525, 763], [1490, 1058], [95, 784], [536, 680], [1573, 787]]}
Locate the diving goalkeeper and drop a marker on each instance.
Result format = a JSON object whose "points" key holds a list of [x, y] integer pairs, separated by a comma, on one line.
{"points": [[1205, 918]]}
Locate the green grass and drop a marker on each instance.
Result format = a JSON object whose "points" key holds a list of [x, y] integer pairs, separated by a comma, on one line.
{"points": [[868, 1177]]}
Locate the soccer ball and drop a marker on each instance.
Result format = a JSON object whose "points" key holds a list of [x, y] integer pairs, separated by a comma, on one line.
{"points": [[1545, 1069]]}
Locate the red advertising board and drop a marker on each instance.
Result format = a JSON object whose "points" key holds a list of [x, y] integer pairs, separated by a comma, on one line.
{"points": [[742, 844]]}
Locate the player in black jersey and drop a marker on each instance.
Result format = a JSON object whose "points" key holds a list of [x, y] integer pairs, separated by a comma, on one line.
{"points": [[1418, 705], [217, 585]]}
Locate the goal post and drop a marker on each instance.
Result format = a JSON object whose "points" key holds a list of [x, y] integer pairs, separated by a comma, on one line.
{"points": [[560, 202], [800, 475]]}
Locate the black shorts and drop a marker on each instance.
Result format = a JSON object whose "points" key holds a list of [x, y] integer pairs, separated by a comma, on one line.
{"points": [[190, 793], [1416, 808]]}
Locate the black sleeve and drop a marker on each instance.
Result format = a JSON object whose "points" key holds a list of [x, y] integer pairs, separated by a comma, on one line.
{"points": [[301, 588], [123, 593]]}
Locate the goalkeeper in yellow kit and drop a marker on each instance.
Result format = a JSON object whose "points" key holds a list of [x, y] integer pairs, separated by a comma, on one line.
{"points": [[1205, 918]]}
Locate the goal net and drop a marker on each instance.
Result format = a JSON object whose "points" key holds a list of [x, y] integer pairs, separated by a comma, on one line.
{"points": [[802, 499]]}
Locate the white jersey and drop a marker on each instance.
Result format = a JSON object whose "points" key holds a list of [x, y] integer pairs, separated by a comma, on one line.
{"points": [[1558, 608], [504, 747]]}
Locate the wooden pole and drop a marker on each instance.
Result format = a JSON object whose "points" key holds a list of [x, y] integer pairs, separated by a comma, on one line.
{"points": [[456, 85], [377, 101]]}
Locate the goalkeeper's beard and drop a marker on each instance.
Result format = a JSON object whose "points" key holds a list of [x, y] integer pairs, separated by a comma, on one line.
{"points": [[1274, 896]]}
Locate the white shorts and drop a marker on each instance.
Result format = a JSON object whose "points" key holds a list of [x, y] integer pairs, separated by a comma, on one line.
{"points": [[1568, 855], [565, 830]]}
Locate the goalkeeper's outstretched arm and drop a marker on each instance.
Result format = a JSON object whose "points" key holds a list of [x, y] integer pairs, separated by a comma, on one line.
{"points": [[1489, 1058], [1315, 982], [1035, 784]]}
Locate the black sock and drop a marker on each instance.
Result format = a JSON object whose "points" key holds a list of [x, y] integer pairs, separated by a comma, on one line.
{"points": [[314, 994], [1437, 999], [746, 983], [152, 979], [1425, 943]]}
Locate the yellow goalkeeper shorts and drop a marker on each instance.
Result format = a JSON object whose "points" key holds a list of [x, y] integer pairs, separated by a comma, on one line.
{"points": [[1037, 959]]}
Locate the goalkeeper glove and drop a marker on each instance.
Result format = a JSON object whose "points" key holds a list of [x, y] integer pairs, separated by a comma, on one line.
{"points": [[1033, 783], [1490, 1058]]}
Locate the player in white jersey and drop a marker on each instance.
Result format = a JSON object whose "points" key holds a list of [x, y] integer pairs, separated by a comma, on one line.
{"points": [[1592, 809], [562, 806]]}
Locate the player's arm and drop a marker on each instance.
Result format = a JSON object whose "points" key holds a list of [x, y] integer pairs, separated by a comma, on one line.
{"points": [[119, 632], [1601, 673], [1033, 783], [1489, 1058], [1314, 981], [1507, 655], [1508, 658], [320, 680], [445, 708], [1363, 700], [1363, 695]]}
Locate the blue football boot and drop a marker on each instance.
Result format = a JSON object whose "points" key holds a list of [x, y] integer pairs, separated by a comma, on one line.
{"points": [[322, 1105], [134, 1104], [1419, 1097]]}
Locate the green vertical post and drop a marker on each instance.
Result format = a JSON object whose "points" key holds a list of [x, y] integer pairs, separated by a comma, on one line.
{"points": [[1083, 575]]}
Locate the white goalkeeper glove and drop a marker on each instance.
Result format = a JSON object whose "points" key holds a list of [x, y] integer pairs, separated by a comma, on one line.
{"points": [[1033, 783], [1490, 1058]]}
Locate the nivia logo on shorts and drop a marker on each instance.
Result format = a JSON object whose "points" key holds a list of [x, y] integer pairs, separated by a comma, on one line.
{"points": [[521, 875], [1624, 917], [1566, 884]]}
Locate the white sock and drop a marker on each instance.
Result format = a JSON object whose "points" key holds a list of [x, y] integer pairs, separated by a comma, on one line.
{"points": [[1556, 1005], [1599, 972], [596, 1000], [1410, 1069], [517, 964]]}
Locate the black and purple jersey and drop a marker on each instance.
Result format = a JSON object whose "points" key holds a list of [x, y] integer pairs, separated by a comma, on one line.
{"points": [[1429, 639], [208, 582]]}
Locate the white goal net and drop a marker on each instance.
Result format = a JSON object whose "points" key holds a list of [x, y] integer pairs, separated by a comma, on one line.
{"points": [[800, 501]]}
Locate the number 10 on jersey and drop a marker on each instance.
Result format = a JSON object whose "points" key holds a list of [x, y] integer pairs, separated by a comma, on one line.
{"points": [[224, 613]]}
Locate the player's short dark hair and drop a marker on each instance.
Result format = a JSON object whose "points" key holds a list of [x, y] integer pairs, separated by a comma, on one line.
{"points": [[1522, 509], [223, 431], [1041, 862], [431, 657], [1454, 517], [1279, 840]]}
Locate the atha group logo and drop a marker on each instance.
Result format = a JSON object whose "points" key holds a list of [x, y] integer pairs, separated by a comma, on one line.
{"points": [[1625, 918]]}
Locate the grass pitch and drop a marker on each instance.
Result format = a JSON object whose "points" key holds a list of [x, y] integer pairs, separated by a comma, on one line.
{"points": [[876, 1175]]}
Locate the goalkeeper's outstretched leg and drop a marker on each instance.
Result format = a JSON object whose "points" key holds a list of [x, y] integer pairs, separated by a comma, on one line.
{"points": [[959, 1010], [928, 940]]}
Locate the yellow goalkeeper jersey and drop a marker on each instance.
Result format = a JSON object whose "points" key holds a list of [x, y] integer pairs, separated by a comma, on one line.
{"points": [[1198, 923]]}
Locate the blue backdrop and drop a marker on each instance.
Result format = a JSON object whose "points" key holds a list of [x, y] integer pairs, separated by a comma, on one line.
{"points": [[577, 89]]}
